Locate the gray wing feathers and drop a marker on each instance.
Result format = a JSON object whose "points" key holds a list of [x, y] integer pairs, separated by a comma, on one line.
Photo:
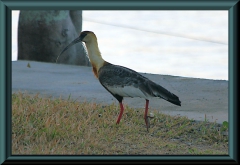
{"points": [[111, 76], [114, 75], [159, 91]]}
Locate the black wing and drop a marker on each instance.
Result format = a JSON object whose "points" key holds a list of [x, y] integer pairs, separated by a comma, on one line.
{"points": [[115, 76]]}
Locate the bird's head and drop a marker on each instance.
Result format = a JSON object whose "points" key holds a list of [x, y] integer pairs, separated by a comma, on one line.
{"points": [[85, 36]]}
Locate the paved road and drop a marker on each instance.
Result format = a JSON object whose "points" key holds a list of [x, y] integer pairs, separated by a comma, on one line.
{"points": [[199, 97]]}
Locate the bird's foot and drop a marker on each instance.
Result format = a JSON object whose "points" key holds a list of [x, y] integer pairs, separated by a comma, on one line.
{"points": [[147, 120]]}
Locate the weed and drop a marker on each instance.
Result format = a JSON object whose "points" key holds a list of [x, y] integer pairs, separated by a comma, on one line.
{"points": [[56, 126]]}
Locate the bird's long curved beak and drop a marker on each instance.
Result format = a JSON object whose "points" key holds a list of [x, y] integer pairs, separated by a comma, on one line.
{"points": [[79, 39]]}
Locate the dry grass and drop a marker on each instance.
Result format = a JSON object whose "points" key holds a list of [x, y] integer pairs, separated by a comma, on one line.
{"points": [[56, 126]]}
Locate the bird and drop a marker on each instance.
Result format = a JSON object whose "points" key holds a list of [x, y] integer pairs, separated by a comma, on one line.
{"points": [[121, 81]]}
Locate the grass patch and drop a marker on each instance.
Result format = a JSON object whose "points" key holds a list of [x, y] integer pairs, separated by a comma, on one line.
{"points": [[56, 126]]}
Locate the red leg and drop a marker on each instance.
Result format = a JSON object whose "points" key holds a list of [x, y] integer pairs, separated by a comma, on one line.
{"points": [[121, 112], [145, 115]]}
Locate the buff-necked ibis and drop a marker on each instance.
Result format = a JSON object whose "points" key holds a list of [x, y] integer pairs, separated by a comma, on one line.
{"points": [[121, 81]]}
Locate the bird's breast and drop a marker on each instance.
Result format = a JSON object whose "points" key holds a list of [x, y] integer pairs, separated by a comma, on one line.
{"points": [[96, 67]]}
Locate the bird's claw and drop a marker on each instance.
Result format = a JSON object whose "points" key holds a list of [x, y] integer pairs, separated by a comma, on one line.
{"points": [[148, 122]]}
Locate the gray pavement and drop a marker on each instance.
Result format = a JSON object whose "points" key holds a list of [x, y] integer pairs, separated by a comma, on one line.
{"points": [[199, 97]]}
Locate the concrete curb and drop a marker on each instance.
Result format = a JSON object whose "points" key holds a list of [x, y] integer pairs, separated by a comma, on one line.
{"points": [[200, 97]]}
